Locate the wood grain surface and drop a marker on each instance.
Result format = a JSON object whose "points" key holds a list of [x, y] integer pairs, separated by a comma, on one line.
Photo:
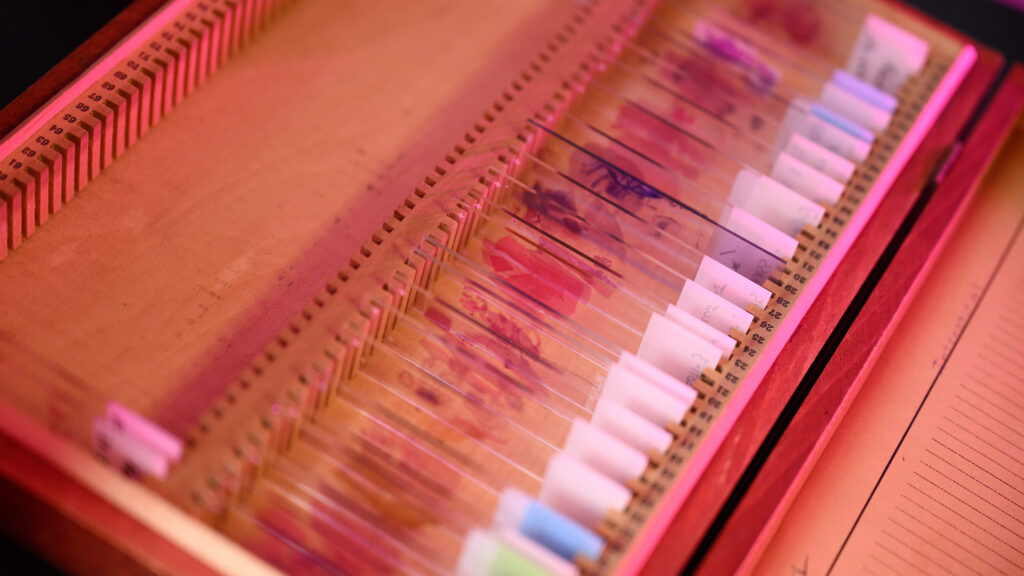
{"points": [[284, 163], [181, 262]]}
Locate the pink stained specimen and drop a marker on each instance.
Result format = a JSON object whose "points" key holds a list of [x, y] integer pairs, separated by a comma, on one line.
{"points": [[707, 82], [439, 318], [596, 277], [468, 417], [536, 274], [760, 9], [802, 21], [288, 540], [610, 173], [656, 134], [499, 323]]}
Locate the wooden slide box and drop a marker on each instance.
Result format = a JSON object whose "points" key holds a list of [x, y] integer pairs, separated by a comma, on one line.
{"points": [[85, 517]]}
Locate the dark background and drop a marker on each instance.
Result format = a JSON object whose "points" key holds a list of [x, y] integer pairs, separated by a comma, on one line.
{"points": [[35, 36]]}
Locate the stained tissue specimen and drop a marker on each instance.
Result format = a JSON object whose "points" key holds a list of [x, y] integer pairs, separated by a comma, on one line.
{"points": [[536, 274], [301, 542], [800, 19], [500, 323], [478, 388], [467, 415], [517, 347], [439, 318], [595, 276], [758, 74], [548, 203], [606, 171], [654, 133], [705, 82], [582, 214], [371, 497]]}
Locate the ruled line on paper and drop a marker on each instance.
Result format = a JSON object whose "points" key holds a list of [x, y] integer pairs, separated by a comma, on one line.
{"points": [[992, 417], [986, 456], [975, 478], [951, 499], [943, 535], [928, 542]]}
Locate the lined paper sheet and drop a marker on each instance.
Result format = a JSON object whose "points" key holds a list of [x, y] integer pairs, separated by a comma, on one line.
{"points": [[952, 498], [926, 473]]}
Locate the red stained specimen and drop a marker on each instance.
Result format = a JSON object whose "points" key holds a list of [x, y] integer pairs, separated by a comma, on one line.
{"points": [[609, 153], [500, 323], [706, 81], [622, 183], [349, 556], [515, 345], [656, 134], [551, 203], [421, 389], [602, 217], [513, 358], [470, 417], [536, 274], [802, 21], [439, 318], [493, 390], [760, 9], [282, 521], [408, 466], [596, 277], [386, 479], [428, 395], [633, 119]]}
